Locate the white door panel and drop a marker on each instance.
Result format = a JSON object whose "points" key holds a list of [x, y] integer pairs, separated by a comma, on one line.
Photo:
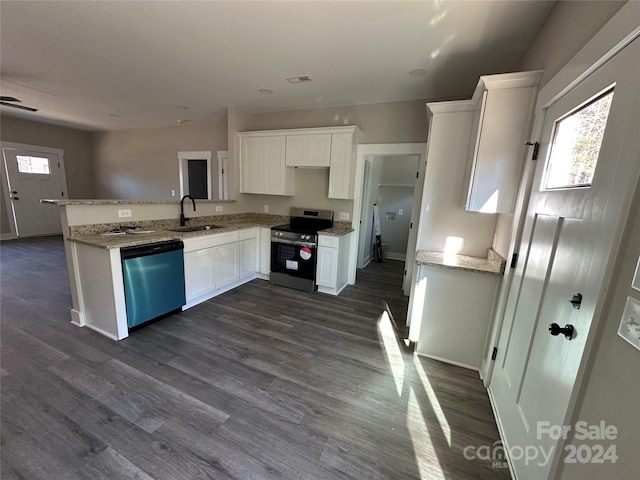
{"points": [[27, 188], [568, 245]]}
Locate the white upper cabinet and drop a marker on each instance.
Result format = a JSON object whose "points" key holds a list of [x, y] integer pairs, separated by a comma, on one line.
{"points": [[343, 164], [503, 109], [262, 165], [308, 150], [268, 158]]}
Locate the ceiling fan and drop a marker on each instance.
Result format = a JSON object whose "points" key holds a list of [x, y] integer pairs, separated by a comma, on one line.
{"points": [[7, 102]]}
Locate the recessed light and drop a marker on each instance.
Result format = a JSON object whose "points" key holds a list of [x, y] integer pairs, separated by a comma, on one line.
{"points": [[300, 79], [113, 115], [266, 91], [417, 72], [182, 107], [182, 120]]}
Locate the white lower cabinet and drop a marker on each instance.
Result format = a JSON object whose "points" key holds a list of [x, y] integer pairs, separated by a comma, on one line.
{"points": [[198, 278], [216, 263], [333, 261], [225, 265], [451, 313], [326, 273], [248, 264]]}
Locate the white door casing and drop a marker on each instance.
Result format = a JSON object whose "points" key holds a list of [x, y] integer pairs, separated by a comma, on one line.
{"points": [[183, 170], [412, 240], [223, 175], [569, 239], [364, 246], [363, 151], [30, 216]]}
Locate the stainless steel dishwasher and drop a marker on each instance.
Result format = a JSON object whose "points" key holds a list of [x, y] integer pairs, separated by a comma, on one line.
{"points": [[153, 280]]}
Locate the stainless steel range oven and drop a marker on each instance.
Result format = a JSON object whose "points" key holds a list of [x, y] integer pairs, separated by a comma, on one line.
{"points": [[294, 248]]}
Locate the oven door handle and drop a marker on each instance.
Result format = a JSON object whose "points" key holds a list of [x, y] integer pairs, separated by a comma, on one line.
{"points": [[293, 242]]}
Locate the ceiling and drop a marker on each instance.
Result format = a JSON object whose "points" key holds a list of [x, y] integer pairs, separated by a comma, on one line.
{"points": [[114, 65]]}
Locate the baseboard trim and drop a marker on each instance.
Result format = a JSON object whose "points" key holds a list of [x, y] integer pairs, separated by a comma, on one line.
{"points": [[496, 417], [105, 333], [215, 293], [445, 360], [396, 256], [77, 318]]}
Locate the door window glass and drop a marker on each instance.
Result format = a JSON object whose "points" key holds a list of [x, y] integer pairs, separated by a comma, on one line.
{"points": [[576, 144], [38, 165]]}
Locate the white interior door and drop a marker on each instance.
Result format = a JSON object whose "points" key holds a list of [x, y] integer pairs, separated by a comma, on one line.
{"points": [[412, 241], [364, 241], [570, 232], [31, 176]]}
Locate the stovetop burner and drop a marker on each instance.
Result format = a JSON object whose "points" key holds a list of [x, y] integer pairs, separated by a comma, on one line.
{"points": [[305, 224]]}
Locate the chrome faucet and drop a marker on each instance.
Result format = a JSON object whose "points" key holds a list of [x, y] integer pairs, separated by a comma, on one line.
{"points": [[183, 219]]}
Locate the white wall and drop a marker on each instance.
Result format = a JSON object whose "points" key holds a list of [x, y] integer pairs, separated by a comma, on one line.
{"points": [[568, 27], [142, 164], [442, 214]]}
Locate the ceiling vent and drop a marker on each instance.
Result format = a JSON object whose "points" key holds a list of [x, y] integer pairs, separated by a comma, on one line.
{"points": [[301, 79]]}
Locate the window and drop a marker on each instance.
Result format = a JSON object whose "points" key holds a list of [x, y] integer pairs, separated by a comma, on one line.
{"points": [[38, 165], [576, 144]]}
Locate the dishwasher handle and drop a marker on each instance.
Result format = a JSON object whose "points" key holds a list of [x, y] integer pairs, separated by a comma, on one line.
{"points": [[151, 249]]}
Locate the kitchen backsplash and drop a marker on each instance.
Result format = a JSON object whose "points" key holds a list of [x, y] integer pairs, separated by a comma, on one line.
{"points": [[97, 228]]}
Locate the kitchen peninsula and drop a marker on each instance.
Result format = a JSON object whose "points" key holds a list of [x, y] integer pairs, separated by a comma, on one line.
{"points": [[452, 302], [234, 249]]}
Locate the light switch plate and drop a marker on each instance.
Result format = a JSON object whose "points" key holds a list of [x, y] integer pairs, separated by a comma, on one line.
{"points": [[265, 208], [343, 216], [124, 213], [630, 323], [218, 208]]}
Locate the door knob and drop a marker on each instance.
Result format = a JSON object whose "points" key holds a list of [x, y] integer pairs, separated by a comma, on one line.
{"points": [[567, 330]]}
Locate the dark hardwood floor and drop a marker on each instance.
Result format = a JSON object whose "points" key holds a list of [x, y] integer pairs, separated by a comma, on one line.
{"points": [[259, 383]]}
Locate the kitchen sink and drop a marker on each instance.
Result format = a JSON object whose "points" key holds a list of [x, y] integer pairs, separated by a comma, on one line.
{"points": [[194, 228]]}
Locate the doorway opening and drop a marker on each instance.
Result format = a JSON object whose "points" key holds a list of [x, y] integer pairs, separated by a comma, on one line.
{"points": [[195, 174], [398, 188], [389, 184]]}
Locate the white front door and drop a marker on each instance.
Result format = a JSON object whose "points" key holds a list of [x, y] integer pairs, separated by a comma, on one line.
{"points": [[573, 221], [31, 176]]}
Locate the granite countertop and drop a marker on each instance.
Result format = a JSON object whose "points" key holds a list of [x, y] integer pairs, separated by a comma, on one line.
{"points": [[63, 202], [90, 234], [494, 264], [336, 231], [161, 235]]}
